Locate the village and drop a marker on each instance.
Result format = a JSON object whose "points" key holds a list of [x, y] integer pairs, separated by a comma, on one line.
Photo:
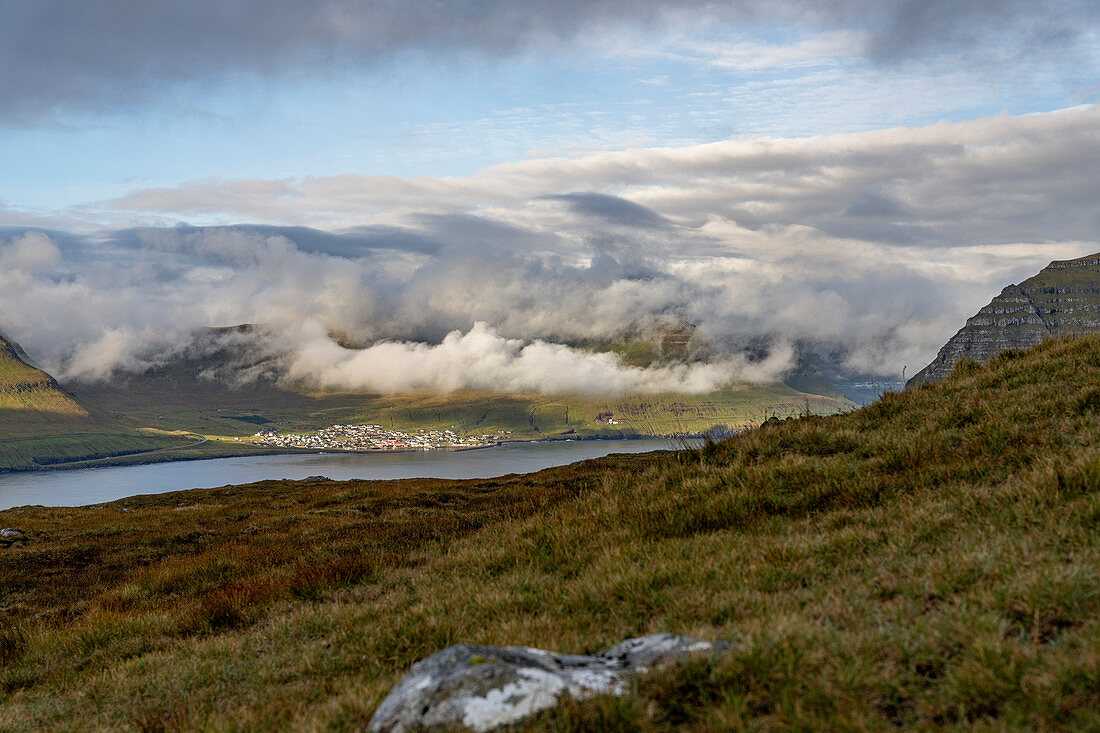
{"points": [[371, 438]]}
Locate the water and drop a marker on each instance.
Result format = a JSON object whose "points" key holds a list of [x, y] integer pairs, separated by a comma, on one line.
{"points": [[95, 485]]}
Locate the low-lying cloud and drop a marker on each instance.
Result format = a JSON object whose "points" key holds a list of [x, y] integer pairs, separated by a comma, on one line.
{"points": [[883, 242], [481, 359]]}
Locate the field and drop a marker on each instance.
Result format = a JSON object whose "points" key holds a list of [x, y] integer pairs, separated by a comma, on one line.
{"points": [[218, 412], [928, 562]]}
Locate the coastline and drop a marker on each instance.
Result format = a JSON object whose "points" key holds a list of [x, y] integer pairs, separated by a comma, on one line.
{"points": [[213, 450], [169, 456]]}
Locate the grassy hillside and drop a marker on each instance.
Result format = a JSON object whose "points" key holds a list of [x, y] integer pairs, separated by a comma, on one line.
{"points": [[32, 392], [182, 395], [212, 409], [42, 425], [928, 562]]}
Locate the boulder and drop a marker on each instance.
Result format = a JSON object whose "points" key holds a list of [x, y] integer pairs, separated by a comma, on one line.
{"points": [[9, 537], [485, 687]]}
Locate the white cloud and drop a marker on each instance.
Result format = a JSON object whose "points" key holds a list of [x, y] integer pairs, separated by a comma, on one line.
{"points": [[482, 359], [883, 240], [29, 254], [1001, 179], [819, 49]]}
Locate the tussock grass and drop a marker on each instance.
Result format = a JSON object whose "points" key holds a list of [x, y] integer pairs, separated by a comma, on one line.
{"points": [[930, 561]]}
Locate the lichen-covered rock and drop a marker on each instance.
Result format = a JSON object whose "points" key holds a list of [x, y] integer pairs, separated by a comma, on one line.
{"points": [[9, 537], [485, 687], [1063, 299]]}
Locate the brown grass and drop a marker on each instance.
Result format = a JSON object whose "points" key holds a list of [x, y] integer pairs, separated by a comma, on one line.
{"points": [[928, 562]]}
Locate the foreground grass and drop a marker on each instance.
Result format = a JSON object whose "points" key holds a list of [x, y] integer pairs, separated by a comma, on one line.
{"points": [[929, 561]]}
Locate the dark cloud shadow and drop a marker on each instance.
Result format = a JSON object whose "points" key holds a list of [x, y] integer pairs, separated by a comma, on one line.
{"points": [[612, 209]]}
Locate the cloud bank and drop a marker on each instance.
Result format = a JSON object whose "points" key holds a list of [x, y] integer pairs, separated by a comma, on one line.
{"points": [[481, 359], [881, 241]]}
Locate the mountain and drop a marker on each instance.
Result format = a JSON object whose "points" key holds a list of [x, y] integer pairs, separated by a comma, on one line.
{"points": [[41, 424], [29, 393], [223, 384], [1062, 300]]}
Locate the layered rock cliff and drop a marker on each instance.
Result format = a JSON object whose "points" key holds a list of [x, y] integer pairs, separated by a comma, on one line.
{"points": [[1063, 299]]}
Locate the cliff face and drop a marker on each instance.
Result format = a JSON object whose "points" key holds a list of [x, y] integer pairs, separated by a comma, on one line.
{"points": [[1063, 299]]}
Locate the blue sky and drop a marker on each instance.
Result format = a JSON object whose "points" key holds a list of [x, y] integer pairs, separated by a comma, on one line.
{"points": [[414, 111]]}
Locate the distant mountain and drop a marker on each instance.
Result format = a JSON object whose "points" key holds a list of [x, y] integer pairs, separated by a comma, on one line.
{"points": [[226, 383], [28, 394], [1063, 299], [42, 424]]}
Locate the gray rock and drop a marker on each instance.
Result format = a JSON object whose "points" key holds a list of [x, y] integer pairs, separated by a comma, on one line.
{"points": [[485, 687], [9, 537]]}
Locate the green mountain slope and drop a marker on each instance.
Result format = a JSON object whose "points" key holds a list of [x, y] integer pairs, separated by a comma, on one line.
{"points": [[31, 393], [1062, 300], [42, 425], [928, 562], [195, 393]]}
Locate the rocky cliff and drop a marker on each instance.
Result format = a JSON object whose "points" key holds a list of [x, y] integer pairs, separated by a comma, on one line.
{"points": [[1063, 299]]}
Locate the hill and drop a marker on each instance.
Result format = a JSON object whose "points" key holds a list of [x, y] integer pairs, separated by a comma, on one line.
{"points": [[43, 425], [1062, 300], [30, 392], [218, 387], [927, 562]]}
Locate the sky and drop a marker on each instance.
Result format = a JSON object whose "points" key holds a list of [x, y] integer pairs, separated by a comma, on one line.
{"points": [[476, 186]]}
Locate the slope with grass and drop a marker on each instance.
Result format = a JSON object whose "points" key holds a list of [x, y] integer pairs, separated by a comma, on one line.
{"points": [[25, 389], [222, 386], [42, 425], [211, 408], [930, 561]]}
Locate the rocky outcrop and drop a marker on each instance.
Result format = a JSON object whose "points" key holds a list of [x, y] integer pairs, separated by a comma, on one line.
{"points": [[1062, 300], [484, 687]]}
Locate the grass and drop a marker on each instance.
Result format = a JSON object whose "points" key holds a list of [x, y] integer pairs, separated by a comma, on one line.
{"points": [[42, 425], [930, 561], [208, 409], [31, 393]]}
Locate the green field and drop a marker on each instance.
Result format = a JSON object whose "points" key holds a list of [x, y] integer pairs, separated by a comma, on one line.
{"points": [[214, 410], [42, 425], [929, 562]]}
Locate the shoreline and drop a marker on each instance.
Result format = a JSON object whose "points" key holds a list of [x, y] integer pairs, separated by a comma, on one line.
{"points": [[149, 458], [145, 458]]}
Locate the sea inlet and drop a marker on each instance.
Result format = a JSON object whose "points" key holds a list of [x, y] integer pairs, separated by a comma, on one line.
{"points": [[80, 487]]}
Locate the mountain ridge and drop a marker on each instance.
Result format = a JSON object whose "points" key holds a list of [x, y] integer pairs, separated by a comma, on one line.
{"points": [[1062, 299]]}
